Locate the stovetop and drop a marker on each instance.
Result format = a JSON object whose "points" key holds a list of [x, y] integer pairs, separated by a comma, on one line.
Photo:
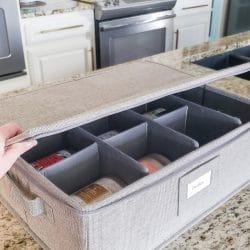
{"points": [[110, 9]]}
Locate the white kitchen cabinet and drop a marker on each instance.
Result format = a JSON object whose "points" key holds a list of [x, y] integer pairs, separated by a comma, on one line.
{"points": [[59, 46], [185, 7], [192, 22]]}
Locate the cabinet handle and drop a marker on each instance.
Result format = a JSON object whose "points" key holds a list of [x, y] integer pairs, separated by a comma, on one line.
{"points": [[60, 29], [90, 59], [5, 57], [195, 7], [176, 39]]}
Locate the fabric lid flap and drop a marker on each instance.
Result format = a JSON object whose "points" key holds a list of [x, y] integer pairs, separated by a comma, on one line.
{"points": [[56, 108]]}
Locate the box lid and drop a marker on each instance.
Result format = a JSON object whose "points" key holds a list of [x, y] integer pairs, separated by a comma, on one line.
{"points": [[59, 107]]}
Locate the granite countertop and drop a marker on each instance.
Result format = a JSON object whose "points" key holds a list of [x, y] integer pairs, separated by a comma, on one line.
{"points": [[227, 227], [182, 60], [52, 8]]}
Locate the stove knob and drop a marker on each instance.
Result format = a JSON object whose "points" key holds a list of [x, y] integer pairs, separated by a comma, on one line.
{"points": [[116, 2]]}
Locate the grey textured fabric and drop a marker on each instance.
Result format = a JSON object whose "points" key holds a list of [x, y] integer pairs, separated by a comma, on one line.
{"points": [[95, 97], [152, 209]]}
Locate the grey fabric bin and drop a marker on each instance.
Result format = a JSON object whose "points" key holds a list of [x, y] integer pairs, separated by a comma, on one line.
{"points": [[198, 122], [151, 210]]}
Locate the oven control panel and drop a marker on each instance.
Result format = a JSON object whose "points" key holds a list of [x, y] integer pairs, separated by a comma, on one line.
{"points": [[109, 9]]}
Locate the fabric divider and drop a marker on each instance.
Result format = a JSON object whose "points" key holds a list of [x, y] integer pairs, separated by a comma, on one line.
{"points": [[202, 124], [151, 137], [227, 105], [75, 172], [112, 125], [176, 119], [217, 100], [94, 161], [148, 107], [70, 141], [194, 95]]}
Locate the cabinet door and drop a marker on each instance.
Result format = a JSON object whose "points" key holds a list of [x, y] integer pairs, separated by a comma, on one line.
{"points": [[59, 46], [192, 35], [191, 30], [62, 65], [46, 65]]}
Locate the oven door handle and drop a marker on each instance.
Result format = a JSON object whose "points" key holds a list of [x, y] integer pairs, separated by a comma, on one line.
{"points": [[126, 25]]}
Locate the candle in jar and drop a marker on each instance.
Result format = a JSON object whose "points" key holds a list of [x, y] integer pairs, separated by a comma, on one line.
{"points": [[153, 162], [98, 190]]}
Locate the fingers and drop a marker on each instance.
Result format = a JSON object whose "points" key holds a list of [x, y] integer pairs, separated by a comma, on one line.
{"points": [[7, 131], [14, 151], [10, 130]]}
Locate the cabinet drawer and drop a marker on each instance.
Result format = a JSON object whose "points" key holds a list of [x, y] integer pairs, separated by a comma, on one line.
{"points": [[191, 6], [44, 29]]}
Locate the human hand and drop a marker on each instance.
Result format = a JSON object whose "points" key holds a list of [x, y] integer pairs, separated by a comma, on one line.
{"points": [[8, 155]]}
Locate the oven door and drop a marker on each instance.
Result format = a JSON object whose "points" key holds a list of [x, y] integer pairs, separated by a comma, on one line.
{"points": [[126, 39], [11, 51]]}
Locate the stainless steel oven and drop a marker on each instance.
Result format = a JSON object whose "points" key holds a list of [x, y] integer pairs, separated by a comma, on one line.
{"points": [[124, 39], [11, 50]]}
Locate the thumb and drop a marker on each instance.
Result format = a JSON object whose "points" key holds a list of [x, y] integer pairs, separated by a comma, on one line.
{"points": [[14, 151]]}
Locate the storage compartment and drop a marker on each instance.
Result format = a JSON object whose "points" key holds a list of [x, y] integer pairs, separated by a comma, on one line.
{"points": [[155, 109], [149, 138], [112, 125], [176, 120], [219, 100], [87, 165], [49, 149], [200, 123]]}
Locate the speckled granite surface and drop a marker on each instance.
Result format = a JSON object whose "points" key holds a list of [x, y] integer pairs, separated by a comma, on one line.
{"points": [[227, 227], [182, 60], [54, 7]]}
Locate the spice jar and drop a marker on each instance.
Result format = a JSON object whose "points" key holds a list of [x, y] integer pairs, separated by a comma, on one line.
{"points": [[98, 190], [153, 162], [49, 160], [153, 114], [108, 134]]}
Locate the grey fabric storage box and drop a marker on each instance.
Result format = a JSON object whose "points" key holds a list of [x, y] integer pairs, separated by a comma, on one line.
{"points": [[151, 210]]}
